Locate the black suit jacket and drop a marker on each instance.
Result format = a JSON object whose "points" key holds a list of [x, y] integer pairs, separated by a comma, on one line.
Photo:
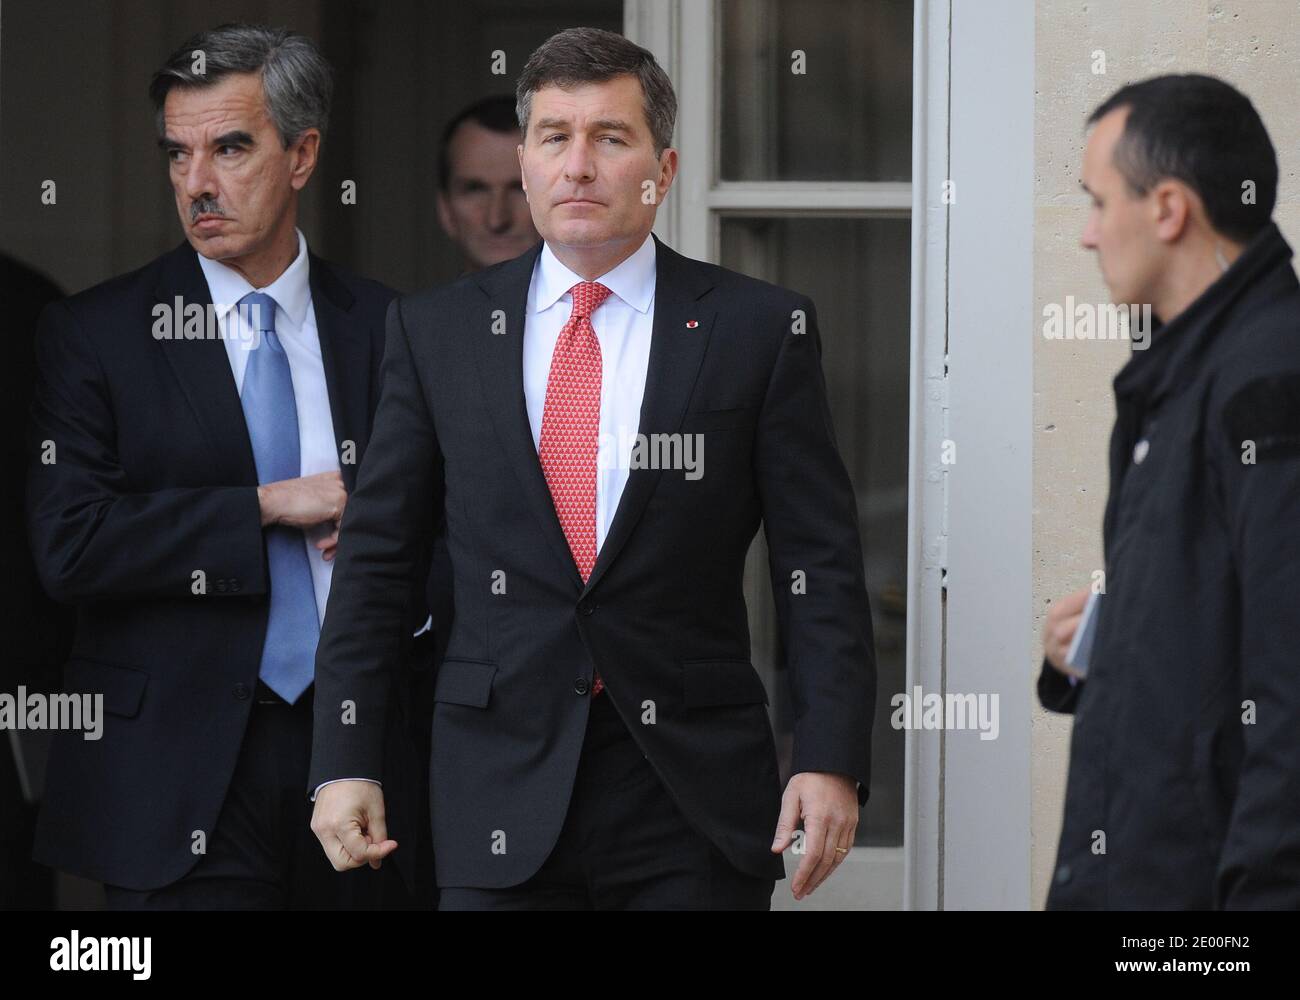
{"points": [[153, 480], [662, 616]]}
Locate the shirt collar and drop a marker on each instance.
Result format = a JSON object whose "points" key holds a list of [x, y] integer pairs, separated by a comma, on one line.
{"points": [[291, 290], [633, 280]]}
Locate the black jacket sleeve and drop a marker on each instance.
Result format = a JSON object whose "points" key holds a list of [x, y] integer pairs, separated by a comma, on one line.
{"points": [[386, 525], [1055, 691], [92, 537], [811, 522], [1259, 867]]}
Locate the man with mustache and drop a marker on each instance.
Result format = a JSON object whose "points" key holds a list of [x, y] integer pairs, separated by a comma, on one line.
{"points": [[197, 425], [600, 738]]}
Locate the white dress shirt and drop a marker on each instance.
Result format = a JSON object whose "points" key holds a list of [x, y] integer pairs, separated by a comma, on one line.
{"points": [[295, 326], [623, 324]]}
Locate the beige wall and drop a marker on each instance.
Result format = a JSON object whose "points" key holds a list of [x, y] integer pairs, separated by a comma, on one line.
{"points": [[1255, 45]]}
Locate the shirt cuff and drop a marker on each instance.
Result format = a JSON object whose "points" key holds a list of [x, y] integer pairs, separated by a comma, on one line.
{"points": [[332, 780]]}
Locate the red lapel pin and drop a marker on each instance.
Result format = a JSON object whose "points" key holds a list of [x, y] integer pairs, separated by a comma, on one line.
{"points": [[691, 324]]}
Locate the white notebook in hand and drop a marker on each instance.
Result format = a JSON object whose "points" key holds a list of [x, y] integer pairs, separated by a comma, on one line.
{"points": [[1081, 647]]}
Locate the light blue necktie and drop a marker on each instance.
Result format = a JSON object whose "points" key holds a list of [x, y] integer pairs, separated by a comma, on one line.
{"points": [[292, 628]]}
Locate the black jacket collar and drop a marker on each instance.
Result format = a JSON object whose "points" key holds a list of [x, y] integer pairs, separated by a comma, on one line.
{"points": [[1171, 359]]}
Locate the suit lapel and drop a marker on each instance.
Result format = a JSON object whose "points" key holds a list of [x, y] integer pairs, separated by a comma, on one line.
{"points": [[203, 369], [345, 357], [676, 352]]}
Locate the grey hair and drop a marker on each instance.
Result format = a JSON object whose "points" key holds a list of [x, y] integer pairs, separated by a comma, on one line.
{"points": [[296, 80], [592, 55]]}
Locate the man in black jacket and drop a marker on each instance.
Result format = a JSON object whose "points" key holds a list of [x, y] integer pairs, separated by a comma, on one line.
{"points": [[197, 424], [1184, 785], [604, 424]]}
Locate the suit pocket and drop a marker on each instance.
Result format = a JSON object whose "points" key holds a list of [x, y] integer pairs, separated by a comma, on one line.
{"points": [[465, 682], [721, 682], [122, 687]]}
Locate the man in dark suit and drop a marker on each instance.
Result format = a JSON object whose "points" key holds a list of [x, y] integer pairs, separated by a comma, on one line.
{"points": [[197, 424], [603, 423]]}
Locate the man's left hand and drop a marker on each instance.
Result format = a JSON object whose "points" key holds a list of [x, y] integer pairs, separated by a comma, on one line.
{"points": [[828, 805]]}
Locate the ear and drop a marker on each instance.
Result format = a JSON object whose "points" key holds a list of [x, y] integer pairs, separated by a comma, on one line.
{"points": [[667, 171], [304, 152], [1173, 203], [523, 177]]}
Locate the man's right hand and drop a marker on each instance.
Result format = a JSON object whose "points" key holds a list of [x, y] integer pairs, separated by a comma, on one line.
{"points": [[303, 502], [1062, 622], [349, 823]]}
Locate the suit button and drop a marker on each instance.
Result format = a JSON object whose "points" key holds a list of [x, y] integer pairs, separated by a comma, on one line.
{"points": [[1063, 874], [581, 686], [586, 608], [241, 691]]}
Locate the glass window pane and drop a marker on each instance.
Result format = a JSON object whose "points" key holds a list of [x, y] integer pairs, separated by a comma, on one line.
{"points": [[846, 117], [857, 272]]}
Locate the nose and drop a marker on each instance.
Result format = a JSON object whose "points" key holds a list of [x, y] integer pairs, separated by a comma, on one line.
{"points": [[1089, 238], [200, 179], [579, 164], [499, 215]]}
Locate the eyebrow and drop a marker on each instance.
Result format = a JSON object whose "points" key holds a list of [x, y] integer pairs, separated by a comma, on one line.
{"points": [[236, 137], [1086, 188], [610, 124]]}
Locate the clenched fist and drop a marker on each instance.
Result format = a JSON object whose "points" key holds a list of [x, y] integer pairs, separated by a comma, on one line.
{"points": [[349, 823]]}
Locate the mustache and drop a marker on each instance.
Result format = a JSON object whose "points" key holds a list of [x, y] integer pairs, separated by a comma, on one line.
{"points": [[206, 206]]}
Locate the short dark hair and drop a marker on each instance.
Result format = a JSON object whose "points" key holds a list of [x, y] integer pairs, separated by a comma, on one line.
{"points": [[496, 113], [296, 80], [593, 55], [1205, 133]]}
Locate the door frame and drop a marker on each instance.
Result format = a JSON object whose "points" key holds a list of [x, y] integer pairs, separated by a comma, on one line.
{"points": [[966, 800]]}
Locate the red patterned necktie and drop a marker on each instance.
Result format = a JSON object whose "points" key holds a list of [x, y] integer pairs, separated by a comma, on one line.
{"points": [[571, 429]]}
